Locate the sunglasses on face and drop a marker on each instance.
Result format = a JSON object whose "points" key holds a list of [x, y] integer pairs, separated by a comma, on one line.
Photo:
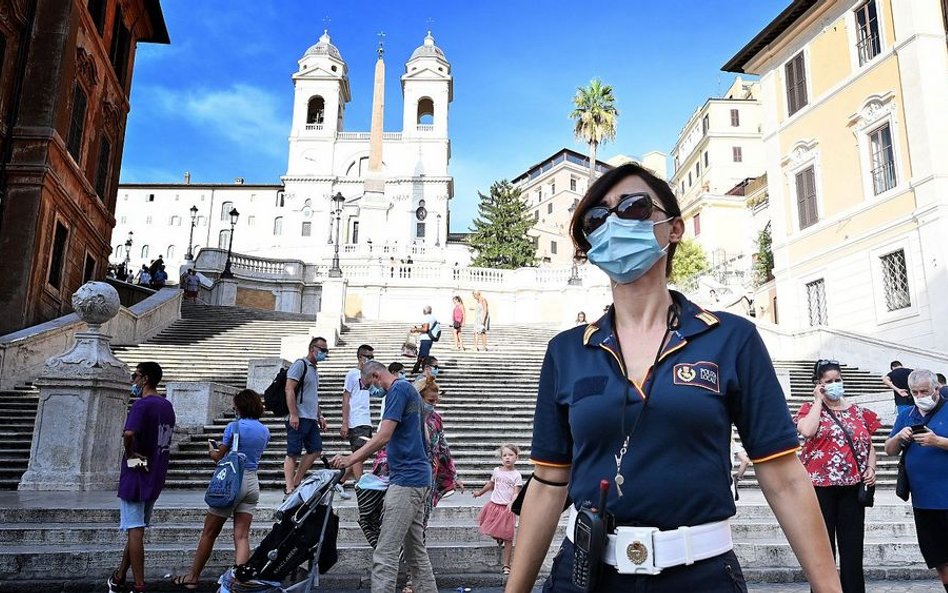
{"points": [[368, 356], [323, 350], [629, 207]]}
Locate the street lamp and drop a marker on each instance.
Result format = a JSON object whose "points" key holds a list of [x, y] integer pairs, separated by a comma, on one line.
{"points": [[438, 231], [335, 271], [128, 249], [194, 212], [574, 279], [230, 244]]}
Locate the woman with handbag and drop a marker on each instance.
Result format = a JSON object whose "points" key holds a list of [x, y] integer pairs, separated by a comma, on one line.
{"points": [[839, 456], [252, 440]]}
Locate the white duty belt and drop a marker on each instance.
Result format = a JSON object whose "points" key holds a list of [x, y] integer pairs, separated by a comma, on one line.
{"points": [[647, 550]]}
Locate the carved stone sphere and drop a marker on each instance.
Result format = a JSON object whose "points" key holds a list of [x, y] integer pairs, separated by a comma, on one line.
{"points": [[96, 302]]}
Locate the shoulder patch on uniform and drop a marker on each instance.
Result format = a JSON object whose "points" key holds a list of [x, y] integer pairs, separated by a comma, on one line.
{"points": [[701, 374], [708, 318], [590, 330]]}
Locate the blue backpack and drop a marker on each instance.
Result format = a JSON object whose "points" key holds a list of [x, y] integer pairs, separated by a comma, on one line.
{"points": [[228, 476]]}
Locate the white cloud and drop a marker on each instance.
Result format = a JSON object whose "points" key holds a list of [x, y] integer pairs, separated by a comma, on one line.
{"points": [[247, 117]]}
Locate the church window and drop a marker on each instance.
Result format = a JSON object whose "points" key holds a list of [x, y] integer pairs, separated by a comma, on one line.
{"points": [[278, 225], [78, 123], [307, 229], [316, 110], [425, 112], [223, 239], [572, 184], [58, 255], [420, 230], [354, 237], [144, 251], [280, 199], [226, 207], [170, 252]]}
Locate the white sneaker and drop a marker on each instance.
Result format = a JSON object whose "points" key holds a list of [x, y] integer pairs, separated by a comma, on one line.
{"points": [[342, 492]]}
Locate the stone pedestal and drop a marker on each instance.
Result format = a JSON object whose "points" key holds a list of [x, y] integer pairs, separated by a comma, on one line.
{"points": [[77, 441], [261, 371], [333, 303], [226, 292], [197, 404]]}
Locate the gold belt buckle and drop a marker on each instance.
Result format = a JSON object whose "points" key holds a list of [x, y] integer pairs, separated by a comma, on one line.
{"points": [[635, 550]]}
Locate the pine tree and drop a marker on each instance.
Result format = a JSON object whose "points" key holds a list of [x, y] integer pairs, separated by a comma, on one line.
{"points": [[499, 236]]}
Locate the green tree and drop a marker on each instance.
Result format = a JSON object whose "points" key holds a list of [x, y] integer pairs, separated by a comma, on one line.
{"points": [[764, 258], [595, 116], [499, 236], [689, 263]]}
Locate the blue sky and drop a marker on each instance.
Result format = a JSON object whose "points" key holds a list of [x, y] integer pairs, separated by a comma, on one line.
{"points": [[217, 101]]}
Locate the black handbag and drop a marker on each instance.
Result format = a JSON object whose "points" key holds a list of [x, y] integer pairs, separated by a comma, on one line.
{"points": [[867, 494]]}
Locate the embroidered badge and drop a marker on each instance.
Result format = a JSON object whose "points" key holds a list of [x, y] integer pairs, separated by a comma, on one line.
{"points": [[636, 552], [699, 374]]}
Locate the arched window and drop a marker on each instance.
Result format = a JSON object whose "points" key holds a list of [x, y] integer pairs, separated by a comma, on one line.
{"points": [[175, 221], [223, 239], [280, 199], [144, 250], [170, 252], [315, 110], [425, 112], [278, 225], [226, 207]]}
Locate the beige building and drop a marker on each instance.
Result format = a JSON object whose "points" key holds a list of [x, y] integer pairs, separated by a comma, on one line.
{"points": [[856, 136], [553, 187], [718, 150]]}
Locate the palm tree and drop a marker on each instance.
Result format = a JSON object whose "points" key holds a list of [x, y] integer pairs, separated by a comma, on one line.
{"points": [[595, 117]]}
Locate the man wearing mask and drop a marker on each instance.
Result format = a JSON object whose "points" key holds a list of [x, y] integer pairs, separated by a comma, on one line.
{"points": [[430, 369], [922, 431], [147, 445], [400, 432], [305, 421], [356, 414]]}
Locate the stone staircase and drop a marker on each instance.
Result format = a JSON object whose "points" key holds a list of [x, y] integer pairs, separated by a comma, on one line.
{"points": [[489, 398]]}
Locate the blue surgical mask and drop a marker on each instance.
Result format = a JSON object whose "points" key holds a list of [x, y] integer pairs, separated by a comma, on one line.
{"points": [[136, 390], [834, 391], [321, 356], [401, 375], [625, 249], [376, 391], [434, 372]]}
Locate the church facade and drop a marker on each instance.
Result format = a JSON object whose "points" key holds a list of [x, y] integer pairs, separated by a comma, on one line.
{"points": [[383, 194]]}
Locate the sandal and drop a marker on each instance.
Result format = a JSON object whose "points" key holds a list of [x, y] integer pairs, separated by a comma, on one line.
{"points": [[506, 570], [180, 583], [115, 585]]}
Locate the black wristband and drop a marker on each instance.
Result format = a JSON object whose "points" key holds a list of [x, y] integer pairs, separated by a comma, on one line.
{"points": [[549, 483]]}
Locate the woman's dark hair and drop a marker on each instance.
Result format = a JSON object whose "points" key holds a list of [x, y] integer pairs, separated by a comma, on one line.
{"points": [[822, 366], [396, 367], [598, 190], [248, 404]]}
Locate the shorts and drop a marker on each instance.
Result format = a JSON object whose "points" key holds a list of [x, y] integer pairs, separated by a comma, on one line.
{"points": [[134, 514], [247, 498], [307, 437], [931, 527], [456, 325], [356, 434], [190, 294]]}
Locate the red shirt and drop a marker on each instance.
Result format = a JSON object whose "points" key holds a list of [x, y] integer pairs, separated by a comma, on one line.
{"points": [[827, 456]]}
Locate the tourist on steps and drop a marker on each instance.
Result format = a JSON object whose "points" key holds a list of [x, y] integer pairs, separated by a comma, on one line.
{"points": [[356, 413], [252, 442], [832, 427], [429, 370], [427, 330], [401, 433], [641, 401], [147, 445], [496, 520], [922, 431], [457, 322], [481, 321], [897, 381]]}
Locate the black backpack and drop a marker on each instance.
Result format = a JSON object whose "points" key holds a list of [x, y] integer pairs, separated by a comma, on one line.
{"points": [[274, 398], [434, 332]]}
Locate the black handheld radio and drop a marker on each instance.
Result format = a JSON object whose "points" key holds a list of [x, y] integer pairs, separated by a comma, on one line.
{"points": [[589, 541]]}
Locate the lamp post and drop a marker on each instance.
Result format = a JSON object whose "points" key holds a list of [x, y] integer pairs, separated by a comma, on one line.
{"points": [[230, 244], [194, 212], [438, 231], [128, 249], [335, 271], [574, 279]]}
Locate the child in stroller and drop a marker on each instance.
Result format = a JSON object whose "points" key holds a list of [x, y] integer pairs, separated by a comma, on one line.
{"points": [[305, 531]]}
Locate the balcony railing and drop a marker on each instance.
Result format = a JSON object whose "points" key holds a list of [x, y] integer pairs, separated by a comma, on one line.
{"points": [[367, 136], [883, 178], [868, 48]]}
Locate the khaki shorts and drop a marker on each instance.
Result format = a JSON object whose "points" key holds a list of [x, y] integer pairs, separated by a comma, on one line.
{"points": [[247, 499]]}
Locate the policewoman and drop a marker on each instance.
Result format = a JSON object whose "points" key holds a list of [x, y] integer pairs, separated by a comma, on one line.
{"points": [[641, 403]]}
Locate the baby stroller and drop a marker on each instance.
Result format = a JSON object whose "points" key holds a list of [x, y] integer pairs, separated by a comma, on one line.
{"points": [[305, 532]]}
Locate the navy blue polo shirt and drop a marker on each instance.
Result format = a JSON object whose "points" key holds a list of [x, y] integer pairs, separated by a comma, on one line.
{"points": [[927, 467], [713, 372]]}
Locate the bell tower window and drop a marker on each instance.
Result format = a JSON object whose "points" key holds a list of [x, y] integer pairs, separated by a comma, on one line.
{"points": [[315, 111], [425, 114]]}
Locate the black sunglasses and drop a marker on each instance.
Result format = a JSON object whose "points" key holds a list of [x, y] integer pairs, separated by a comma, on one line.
{"points": [[630, 207]]}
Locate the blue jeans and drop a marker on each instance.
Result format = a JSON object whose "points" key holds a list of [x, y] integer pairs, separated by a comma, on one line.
{"points": [[424, 349], [720, 574]]}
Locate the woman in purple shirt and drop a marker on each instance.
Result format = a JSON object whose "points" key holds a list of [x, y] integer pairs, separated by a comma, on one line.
{"points": [[254, 437]]}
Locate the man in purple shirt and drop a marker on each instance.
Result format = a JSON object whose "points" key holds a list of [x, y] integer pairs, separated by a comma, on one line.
{"points": [[147, 442]]}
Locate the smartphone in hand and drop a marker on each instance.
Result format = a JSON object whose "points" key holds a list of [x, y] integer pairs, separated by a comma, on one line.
{"points": [[214, 444], [919, 428]]}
